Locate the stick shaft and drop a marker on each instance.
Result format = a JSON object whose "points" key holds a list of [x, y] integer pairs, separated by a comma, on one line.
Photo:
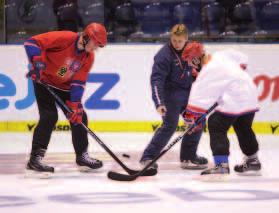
{"points": [[89, 131], [198, 121], [121, 177]]}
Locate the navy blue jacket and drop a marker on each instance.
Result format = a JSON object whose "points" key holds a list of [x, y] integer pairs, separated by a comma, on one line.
{"points": [[169, 72]]}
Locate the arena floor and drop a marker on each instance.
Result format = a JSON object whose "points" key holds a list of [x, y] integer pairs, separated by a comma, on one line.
{"points": [[172, 190]]}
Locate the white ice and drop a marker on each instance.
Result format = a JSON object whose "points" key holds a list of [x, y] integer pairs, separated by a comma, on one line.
{"points": [[172, 190]]}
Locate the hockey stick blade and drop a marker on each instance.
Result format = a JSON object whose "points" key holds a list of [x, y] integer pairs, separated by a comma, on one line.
{"points": [[123, 177], [149, 172]]}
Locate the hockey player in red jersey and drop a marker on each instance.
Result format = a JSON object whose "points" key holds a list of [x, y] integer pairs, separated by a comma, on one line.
{"points": [[62, 60]]}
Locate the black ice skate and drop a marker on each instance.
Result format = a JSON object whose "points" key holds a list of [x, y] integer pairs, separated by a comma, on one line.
{"points": [[35, 167], [86, 163], [249, 167], [147, 161], [195, 164], [222, 169]]}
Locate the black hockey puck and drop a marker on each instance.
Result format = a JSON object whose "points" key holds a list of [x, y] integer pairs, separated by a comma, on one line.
{"points": [[126, 155]]}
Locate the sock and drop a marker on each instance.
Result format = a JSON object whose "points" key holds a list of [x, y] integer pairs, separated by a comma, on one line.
{"points": [[218, 159]]}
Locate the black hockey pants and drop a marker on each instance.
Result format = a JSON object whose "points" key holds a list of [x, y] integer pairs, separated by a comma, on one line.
{"points": [[218, 126], [48, 118]]}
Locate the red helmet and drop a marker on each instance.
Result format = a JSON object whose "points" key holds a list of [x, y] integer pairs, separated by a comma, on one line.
{"points": [[97, 33], [193, 50]]}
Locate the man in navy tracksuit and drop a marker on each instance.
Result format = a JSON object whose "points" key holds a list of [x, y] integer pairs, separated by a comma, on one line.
{"points": [[171, 81]]}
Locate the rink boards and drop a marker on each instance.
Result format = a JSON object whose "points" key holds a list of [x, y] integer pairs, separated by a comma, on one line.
{"points": [[123, 126], [118, 94]]}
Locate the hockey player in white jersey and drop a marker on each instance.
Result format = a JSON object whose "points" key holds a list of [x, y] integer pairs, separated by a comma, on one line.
{"points": [[223, 79]]}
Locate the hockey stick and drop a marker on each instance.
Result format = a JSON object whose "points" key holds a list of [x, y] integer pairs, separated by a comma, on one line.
{"points": [[122, 177], [150, 172]]}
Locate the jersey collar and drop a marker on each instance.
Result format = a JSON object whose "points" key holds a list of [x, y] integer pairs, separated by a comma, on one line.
{"points": [[77, 51]]}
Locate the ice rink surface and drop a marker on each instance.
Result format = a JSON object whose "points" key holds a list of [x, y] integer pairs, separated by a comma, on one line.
{"points": [[173, 190]]}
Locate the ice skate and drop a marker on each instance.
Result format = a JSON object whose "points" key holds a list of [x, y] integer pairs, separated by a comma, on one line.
{"points": [[154, 166], [250, 167], [35, 167], [195, 164], [219, 173], [86, 164]]}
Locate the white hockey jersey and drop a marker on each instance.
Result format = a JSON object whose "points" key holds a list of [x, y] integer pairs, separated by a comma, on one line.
{"points": [[222, 80]]}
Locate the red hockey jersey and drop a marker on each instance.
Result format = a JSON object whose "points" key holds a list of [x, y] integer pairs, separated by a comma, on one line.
{"points": [[64, 62]]}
